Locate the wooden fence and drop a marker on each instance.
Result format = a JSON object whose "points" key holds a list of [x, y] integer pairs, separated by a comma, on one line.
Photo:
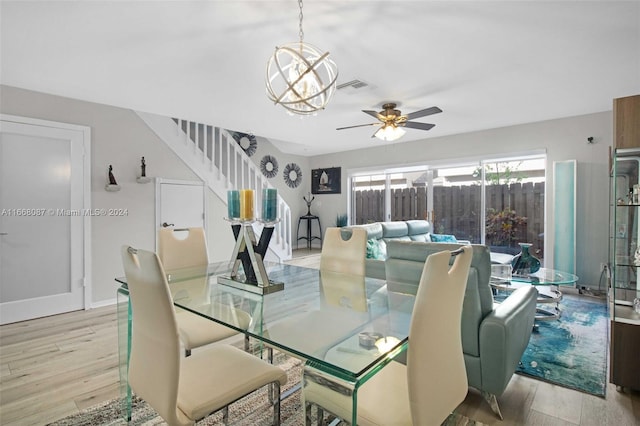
{"points": [[457, 209]]}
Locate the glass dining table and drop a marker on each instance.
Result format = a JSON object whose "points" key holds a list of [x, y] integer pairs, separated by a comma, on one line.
{"points": [[331, 321]]}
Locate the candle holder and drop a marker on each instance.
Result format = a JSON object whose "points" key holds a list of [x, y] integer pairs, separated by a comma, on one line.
{"points": [[251, 254]]}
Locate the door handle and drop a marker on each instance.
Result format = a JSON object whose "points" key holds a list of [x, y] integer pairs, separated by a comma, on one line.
{"points": [[166, 225]]}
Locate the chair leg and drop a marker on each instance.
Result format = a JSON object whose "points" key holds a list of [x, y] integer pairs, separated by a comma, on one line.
{"points": [[225, 415], [187, 352], [270, 355], [307, 413], [246, 343], [319, 414], [276, 404], [493, 402]]}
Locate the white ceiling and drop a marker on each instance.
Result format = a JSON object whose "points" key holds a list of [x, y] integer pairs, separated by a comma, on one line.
{"points": [[486, 64]]}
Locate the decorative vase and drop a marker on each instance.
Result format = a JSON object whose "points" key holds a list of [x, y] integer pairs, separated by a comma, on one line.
{"points": [[524, 262]]}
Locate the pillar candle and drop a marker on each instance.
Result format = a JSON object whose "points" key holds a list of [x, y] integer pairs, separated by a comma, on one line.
{"points": [[246, 204], [269, 204], [233, 204]]}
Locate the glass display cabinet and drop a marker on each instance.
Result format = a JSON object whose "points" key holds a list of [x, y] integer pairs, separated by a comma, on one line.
{"points": [[624, 294]]}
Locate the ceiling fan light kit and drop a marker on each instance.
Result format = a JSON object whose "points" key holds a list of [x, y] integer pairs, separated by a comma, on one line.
{"points": [[301, 77], [389, 133], [391, 120]]}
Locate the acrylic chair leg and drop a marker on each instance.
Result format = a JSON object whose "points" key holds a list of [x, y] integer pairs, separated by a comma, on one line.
{"points": [[493, 403]]}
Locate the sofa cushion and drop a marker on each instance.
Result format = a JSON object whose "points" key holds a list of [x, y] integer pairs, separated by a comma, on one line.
{"points": [[418, 227], [423, 238], [374, 230], [395, 230]]}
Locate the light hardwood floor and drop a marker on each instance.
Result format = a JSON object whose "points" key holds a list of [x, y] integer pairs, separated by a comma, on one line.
{"points": [[56, 366]]}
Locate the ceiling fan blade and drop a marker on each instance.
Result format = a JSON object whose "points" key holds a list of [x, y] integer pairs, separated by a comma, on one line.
{"points": [[416, 125], [423, 112], [359, 125], [374, 114]]}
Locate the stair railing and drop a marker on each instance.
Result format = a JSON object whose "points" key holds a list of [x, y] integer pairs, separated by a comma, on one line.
{"points": [[213, 154]]}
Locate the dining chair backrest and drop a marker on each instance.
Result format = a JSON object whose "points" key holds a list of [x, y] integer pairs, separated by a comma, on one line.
{"points": [[344, 255], [185, 252], [154, 367], [436, 373]]}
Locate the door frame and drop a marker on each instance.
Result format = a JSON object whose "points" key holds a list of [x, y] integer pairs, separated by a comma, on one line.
{"points": [[159, 181], [85, 131]]}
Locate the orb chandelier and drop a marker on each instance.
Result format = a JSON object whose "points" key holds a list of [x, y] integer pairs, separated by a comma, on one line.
{"points": [[300, 77]]}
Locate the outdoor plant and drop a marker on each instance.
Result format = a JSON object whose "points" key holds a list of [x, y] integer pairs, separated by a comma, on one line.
{"points": [[502, 226], [500, 173]]}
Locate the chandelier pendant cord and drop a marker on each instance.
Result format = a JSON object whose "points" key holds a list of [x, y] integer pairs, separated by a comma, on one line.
{"points": [[300, 30]]}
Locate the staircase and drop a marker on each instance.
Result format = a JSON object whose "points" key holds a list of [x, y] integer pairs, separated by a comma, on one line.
{"points": [[212, 154]]}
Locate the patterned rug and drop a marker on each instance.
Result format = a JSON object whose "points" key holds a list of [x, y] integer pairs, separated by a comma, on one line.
{"points": [[571, 351], [251, 410]]}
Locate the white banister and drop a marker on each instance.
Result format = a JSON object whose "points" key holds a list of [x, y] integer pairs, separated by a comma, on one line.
{"points": [[223, 165]]}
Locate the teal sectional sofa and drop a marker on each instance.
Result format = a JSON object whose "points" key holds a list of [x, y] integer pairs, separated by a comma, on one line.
{"points": [[380, 233]]}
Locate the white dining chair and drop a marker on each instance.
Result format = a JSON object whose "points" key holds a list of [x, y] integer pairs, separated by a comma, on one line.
{"points": [[191, 252], [183, 390], [434, 381], [344, 255], [342, 263]]}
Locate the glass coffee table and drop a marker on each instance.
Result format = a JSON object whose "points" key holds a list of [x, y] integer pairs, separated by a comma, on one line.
{"points": [[547, 282]]}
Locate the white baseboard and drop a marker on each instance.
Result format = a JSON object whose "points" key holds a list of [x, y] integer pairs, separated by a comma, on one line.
{"points": [[102, 303]]}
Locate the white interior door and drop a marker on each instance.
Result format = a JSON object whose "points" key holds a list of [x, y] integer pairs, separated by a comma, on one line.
{"points": [[179, 204], [42, 221]]}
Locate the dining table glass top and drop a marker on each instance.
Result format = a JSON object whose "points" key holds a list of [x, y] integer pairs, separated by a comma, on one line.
{"points": [[332, 320]]}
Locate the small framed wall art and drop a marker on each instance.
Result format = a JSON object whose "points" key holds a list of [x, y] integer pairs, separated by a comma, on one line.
{"points": [[326, 181]]}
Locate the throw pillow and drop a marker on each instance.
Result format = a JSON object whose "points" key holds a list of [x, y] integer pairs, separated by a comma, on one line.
{"points": [[373, 250], [443, 238]]}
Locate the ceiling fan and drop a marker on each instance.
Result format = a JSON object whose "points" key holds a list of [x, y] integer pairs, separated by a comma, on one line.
{"points": [[391, 120]]}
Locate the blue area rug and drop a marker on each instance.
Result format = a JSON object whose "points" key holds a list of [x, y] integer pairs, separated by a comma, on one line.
{"points": [[571, 351]]}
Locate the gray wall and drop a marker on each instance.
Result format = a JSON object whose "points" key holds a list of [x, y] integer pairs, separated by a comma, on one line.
{"points": [[562, 139], [120, 138]]}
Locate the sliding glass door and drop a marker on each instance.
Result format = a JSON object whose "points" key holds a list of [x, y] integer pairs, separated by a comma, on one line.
{"points": [[495, 202], [514, 204], [457, 202]]}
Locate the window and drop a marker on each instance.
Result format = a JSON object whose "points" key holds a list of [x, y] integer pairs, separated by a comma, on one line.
{"points": [[498, 202]]}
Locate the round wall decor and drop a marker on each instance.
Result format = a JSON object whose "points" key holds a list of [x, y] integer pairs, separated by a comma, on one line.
{"points": [[247, 142], [269, 166], [292, 175]]}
